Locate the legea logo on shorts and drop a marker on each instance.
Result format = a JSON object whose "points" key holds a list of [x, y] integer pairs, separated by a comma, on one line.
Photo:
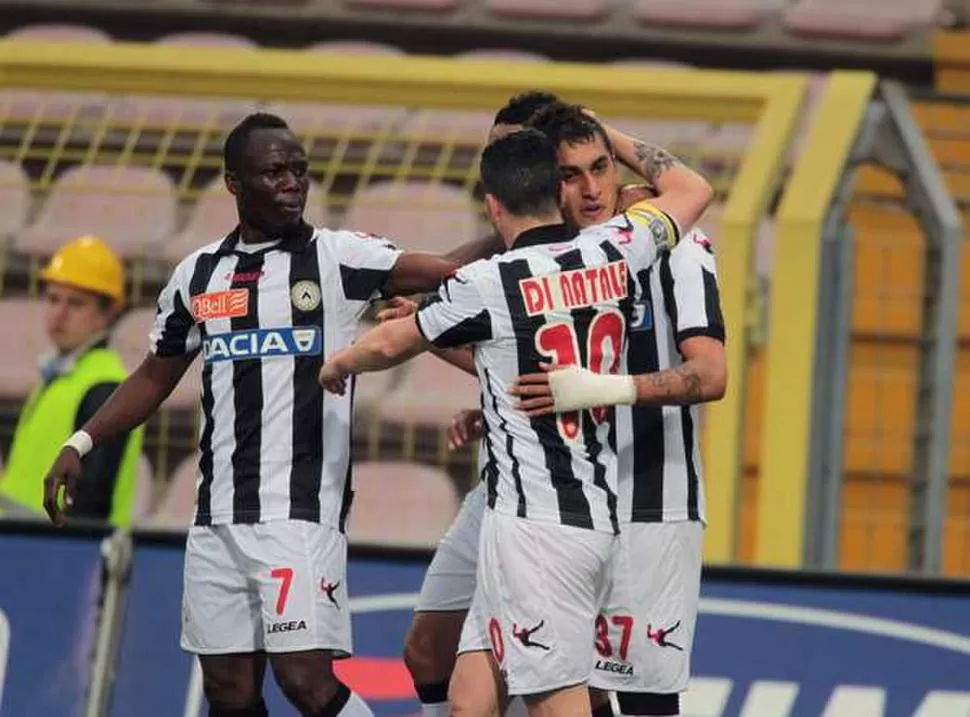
{"points": [[221, 305], [262, 343]]}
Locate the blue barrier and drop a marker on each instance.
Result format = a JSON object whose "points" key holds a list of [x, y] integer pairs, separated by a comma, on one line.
{"points": [[49, 597], [768, 644]]}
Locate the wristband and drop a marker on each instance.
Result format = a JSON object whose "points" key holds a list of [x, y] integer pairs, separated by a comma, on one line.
{"points": [[80, 442], [577, 388]]}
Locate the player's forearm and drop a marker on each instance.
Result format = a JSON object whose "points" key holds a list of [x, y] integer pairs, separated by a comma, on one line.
{"points": [[694, 381], [132, 402], [477, 249], [462, 358], [682, 192], [382, 348]]}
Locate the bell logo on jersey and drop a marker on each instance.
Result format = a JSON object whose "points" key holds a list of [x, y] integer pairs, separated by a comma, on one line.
{"points": [[220, 305], [262, 343]]}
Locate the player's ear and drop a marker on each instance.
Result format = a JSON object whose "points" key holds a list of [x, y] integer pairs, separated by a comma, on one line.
{"points": [[494, 208], [232, 182]]}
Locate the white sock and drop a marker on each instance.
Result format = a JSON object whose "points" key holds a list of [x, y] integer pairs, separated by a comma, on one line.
{"points": [[356, 707], [435, 709]]}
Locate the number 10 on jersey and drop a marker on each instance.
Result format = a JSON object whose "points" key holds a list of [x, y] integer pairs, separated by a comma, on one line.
{"points": [[559, 343]]}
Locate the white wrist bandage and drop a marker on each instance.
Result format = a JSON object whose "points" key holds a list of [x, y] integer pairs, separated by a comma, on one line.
{"points": [[576, 388], [80, 442]]}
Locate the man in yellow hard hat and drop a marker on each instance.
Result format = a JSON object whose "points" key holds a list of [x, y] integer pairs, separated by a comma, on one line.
{"points": [[84, 289]]}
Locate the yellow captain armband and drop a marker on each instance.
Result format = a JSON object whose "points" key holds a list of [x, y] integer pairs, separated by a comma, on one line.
{"points": [[663, 228]]}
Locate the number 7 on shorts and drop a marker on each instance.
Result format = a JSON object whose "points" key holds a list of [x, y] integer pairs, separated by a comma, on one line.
{"points": [[285, 575]]}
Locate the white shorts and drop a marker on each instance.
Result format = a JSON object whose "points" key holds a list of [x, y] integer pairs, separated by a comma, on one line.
{"points": [[540, 588], [279, 586], [449, 583], [645, 633]]}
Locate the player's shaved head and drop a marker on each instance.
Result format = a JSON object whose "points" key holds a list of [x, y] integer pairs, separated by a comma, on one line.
{"points": [[521, 171], [237, 142]]}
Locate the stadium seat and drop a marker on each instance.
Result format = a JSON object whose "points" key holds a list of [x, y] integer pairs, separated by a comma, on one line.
{"points": [[430, 394], [176, 507], [875, 20], [405, 4], [419, 216], [131, 208], [24, 320], [53, 32], [551, 9], [207, 39], [311, 120], [214, 216], [401, 504], [468, 127], [130, 340], [14, 198], [713, 14]]}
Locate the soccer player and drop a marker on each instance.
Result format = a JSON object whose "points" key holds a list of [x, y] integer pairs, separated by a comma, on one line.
{"points": [[265, 562], [591, 193], [548, 534]]}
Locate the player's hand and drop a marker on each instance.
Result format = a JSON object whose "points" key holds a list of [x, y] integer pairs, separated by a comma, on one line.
{"points": [[465, 426], [537, 398], [333, 378], [398, 308], [63, 476]]}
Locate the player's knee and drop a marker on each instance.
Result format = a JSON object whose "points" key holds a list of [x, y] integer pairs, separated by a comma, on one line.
{"points": [[473, 690], [228, 690], [430, 646], [308, 684], [419, 655], [648, 703]]}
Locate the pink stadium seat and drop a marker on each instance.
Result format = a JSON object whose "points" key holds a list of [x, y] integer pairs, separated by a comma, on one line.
{"points": [[207, 39], [214, 216], [419, 216], [177, 505], [714, 14], [130, 340], [355, 47], [462, 126], [405, 4], [431, 393], [883, 20], [401, 504], [131, 208], [52, 32], [14, 198], [551, 9], [327, 120], [22, 319]]}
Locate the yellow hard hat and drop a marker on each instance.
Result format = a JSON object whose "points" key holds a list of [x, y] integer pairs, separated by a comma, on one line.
{"points": [[87, 263]]}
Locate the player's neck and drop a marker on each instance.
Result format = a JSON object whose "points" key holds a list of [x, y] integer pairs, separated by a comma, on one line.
{"points": [[518, 225]]}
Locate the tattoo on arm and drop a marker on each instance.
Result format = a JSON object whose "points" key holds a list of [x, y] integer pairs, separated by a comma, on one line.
{"points": [[680, 386], [654, 161]]}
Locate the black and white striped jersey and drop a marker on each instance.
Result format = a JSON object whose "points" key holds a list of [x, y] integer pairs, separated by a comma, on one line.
{"points": [[273, 444], [659, 465], [554, 296]]}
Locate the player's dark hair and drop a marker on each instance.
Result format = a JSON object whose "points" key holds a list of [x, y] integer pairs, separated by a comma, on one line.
{"points": [[522, 106], [522, 172], [563, 122], [234, 149]]}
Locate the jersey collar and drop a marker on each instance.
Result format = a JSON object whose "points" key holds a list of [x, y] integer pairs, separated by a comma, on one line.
{"points": [[293, 240], [548, 234]]}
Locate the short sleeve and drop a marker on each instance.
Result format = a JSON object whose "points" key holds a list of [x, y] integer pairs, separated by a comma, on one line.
{"points": [[691, 275], [456, 315], [365, 262], [175, 332]]}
